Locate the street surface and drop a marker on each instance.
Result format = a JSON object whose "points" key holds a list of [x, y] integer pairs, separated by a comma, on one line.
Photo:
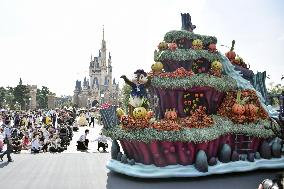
{"points": [[74, 170]]}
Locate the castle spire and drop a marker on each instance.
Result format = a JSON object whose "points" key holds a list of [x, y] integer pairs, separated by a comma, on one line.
{"points": [[103, 32], [91, 57]]}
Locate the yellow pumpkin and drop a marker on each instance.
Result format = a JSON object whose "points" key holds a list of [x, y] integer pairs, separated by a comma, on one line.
{"points": [[119, 112], [163, 46], [197, 44], [216, 65], [139, 113], [157, 67]]}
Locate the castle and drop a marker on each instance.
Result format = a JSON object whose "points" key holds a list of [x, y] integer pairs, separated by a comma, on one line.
{"points": [[100, 87]]}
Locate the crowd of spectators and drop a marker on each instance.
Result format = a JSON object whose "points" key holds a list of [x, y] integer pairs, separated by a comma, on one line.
{"points": [[38, 131]]}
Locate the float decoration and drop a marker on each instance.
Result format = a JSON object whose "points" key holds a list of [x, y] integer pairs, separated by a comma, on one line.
{"points": [[208, 114]]}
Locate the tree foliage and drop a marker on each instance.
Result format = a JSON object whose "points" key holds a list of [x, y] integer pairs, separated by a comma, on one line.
{"points": [[21, 95], [275, 90], [42, 97]]}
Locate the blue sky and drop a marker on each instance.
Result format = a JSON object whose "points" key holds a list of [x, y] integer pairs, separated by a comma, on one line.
{"points": [[50, 42]]}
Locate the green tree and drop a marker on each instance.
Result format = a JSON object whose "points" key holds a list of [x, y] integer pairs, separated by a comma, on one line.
{"points": [[9, 96], [21, 95], [42, 97], [2, 97], [275, 90]]}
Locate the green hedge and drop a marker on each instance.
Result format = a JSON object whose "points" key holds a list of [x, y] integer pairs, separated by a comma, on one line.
{"points": [[224, 83], [174, 35], [185, 54], [221, 126]]}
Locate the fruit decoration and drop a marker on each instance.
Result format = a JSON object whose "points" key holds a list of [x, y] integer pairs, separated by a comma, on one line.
{"points": [[163, 46], [171, 114], [197, 44], [172, 46], [139, 113], [157, 67], [197, 119], [212, 48], [119, 112], [231, 54], [180, 72], [239, 108]]}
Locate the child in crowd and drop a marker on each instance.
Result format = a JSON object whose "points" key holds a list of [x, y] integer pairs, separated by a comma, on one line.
{"points": [[36, 147], [26, 141]]}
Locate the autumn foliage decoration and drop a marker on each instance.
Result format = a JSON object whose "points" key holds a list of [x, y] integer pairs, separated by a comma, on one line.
{"points": [[180, 72], [197, 119], [242, 107]]}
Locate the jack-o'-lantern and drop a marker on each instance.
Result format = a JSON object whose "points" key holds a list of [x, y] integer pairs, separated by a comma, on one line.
{"points": [[216, 65], [139, 113], [171, 114], [197, 44]]}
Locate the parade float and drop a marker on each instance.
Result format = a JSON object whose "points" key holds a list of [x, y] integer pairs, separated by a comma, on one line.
{"points": [[196, 113]]}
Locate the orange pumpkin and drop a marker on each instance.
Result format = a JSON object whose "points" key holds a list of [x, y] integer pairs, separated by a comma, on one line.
{"points": [[251, 109], [231, 55], [238, 109], [171, 114], [172, 46], [212, 48], [150, 114]]}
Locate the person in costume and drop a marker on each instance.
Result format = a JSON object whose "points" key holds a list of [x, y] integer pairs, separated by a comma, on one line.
{"points": [[82, 121]]}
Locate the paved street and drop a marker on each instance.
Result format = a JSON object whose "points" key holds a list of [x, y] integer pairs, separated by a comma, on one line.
{"points": [[73, 169]]}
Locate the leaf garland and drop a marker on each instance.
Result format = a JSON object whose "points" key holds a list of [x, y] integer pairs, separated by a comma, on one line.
{"points": [[175, 35], [223, 83], [185, 55], [222, 126]]}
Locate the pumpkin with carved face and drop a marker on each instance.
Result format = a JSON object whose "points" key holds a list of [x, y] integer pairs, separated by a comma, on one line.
{"points": [[197, 44], [216, 65], [139, 113]]}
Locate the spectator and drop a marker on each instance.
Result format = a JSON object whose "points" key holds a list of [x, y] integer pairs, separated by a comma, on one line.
{"points": [[82, 143], [36, 147]]}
